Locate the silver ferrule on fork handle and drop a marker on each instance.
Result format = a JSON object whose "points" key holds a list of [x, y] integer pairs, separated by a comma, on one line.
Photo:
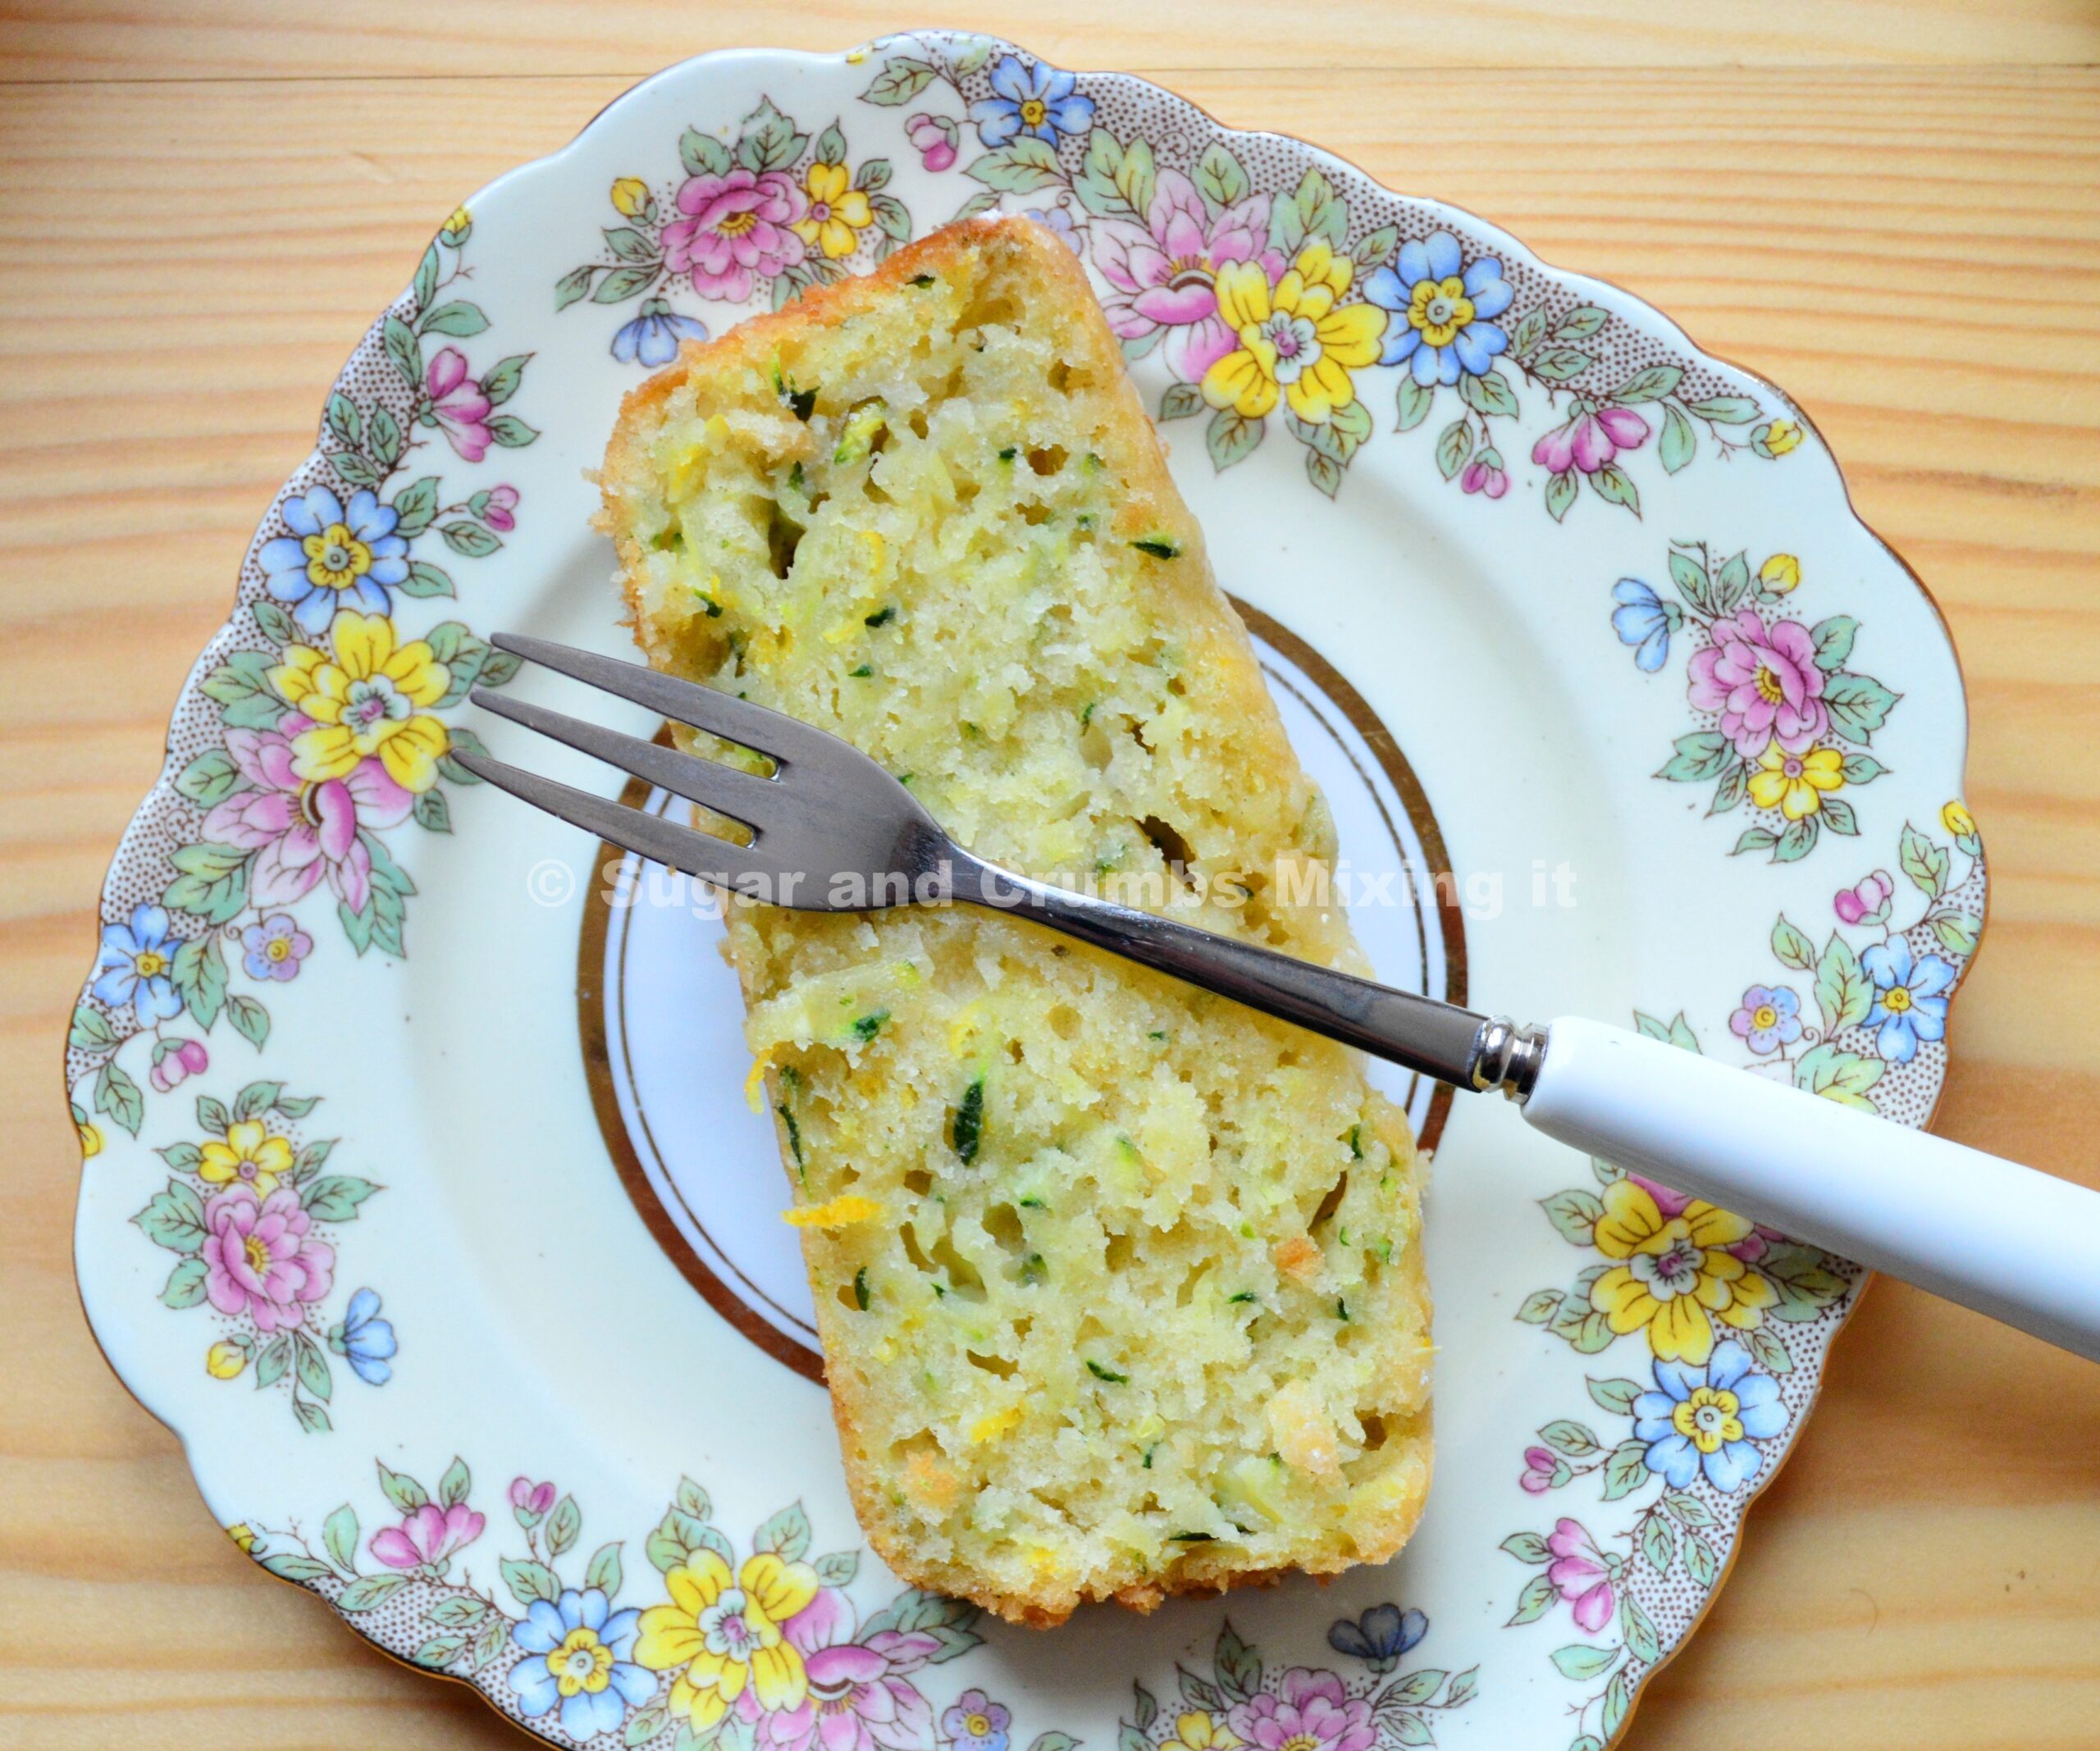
{"points": [[1507, 1056]]}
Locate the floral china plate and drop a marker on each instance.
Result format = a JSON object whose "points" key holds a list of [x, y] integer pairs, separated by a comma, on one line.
{"points": [[422, 1197]]}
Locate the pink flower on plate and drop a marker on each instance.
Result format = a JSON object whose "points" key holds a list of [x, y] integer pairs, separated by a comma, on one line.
{"points": [[1310, 1712], [1485, 473], [1165, 272], [1590, 440], [458, 404], [176, 1061], [1869, 900], [260, 1258], [736, 232], [498, 508], [1763, 682], [303, 832], [1541, 1465], [858, 1697], [1579, 1576], [530, 1500], [427, 1537], [933, 138]]}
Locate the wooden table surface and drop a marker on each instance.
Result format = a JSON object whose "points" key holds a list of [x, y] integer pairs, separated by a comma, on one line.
{"points": [[1891, 207]]}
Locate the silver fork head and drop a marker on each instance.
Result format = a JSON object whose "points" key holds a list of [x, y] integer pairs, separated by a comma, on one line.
{"points": [[831, 830]]}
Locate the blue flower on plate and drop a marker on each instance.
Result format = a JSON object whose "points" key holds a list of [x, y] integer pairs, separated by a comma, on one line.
{"points": [[365, 1340], [654, 337], [136, 964], [1644, 621], [576, 1650], [1704, 1419], [1039, 101], [336, 557], [1440, 324], [1910, 997], [1380, 1636]]}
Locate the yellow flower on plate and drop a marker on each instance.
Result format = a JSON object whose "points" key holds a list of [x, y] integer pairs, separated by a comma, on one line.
{"points": [[242, 1535], [630, 196], [1794, 783], [1676, 1279], [1709, 1419], [1296, 345], [582, 1663], [365, 702], [1780, 573], [455, 228], [836, 211], [222, 1362], [248, 1154], [1782, 436], [90, 1139], [1196, 1731], [335, 558], [724, 1632], [1957, 820]]}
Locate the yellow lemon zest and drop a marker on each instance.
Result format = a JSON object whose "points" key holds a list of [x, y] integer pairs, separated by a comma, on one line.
{"points": [[841, 1212], [755, 1083], [993, 1426]]}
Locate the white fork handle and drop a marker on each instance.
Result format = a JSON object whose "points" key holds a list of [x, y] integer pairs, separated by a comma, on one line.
{"points": [[2021, 1246]]}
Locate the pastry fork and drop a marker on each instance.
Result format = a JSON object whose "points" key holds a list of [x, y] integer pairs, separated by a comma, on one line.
{"points": [[832, 831]]}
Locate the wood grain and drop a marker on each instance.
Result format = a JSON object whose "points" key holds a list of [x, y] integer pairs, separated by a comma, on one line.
{"points": [[1892, 209]]}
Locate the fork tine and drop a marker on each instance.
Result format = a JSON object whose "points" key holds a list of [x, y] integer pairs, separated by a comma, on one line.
{"points": [[770, 732], [742, 795], [645, 835]]}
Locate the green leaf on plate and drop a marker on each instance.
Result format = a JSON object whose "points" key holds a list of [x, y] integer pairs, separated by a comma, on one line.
{"points": [[529, 1581], [1659, 1546], [1177, 401], [369, 1591], [1539, 1307], [1616, 1395], [1843, 993], [1701, 755], [1792, 945], [1221, 179], [1925, 862], [1651, 385], [1626, 1470], [1576, 1440], [1679, 442], [1796, 841], [1833, 639], [174, 1218], [1028, 164], [1534, 1602], [338, 1532], [902, 78], [1488, 393], [1231, 439], [1581, 1662], [1574, 1214], [1859, 704], [1415, 400], [185, 1287]]}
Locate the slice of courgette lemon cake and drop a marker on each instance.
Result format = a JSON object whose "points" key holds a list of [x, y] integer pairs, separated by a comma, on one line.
{"points": [[1119, 1283]]}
